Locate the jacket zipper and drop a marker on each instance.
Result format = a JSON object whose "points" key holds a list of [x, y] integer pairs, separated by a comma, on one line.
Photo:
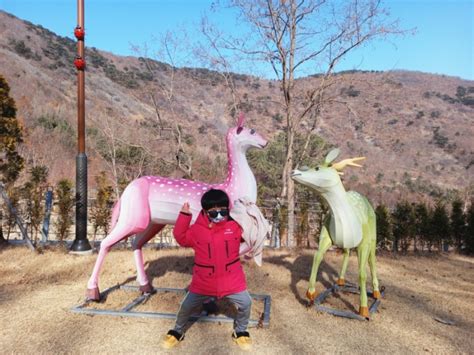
{"points": [[209, 249], [227, 248]]}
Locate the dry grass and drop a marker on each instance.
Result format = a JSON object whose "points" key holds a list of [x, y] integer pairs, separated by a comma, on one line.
{"points": [[38, 291]]}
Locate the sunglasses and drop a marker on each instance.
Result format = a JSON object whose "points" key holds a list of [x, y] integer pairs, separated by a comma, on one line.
{"points": [[214, 213]]}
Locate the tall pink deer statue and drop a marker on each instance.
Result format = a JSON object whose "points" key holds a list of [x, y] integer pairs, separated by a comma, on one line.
{"points": [[151, 202]]}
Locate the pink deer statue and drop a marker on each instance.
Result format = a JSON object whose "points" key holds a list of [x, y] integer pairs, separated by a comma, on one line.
{"points": [[151, 202]]}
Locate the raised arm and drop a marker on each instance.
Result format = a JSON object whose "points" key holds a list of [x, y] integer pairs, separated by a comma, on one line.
{"points": [[181, 231]]}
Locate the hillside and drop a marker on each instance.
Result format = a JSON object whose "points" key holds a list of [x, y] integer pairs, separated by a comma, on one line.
{"points": [[414, 128]]}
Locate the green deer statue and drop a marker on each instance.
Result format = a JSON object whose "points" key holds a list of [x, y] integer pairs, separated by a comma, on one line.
{"points": [[350, 224]]}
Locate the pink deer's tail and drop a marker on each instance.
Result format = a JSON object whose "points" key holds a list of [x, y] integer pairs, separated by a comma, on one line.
{"points": [[115, 214]]}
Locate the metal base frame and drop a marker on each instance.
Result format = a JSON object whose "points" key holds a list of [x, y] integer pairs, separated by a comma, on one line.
{"points": [[127, 311], [351, 288]]}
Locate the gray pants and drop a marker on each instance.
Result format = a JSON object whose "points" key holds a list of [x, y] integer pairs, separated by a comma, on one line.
{"points": [[191, 301]]}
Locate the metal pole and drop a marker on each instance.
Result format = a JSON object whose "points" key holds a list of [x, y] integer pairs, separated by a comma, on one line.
{"points": [[47, 214], [81, 244]]}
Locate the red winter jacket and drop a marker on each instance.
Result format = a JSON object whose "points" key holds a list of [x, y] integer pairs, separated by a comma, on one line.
{"points": [[217, 270]]}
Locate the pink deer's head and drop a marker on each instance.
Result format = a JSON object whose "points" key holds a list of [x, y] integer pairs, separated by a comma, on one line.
{"points": [[240, 180], [245, 138]]}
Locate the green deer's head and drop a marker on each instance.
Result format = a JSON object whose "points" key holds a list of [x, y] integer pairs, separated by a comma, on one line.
{"points": [[326, 175]]}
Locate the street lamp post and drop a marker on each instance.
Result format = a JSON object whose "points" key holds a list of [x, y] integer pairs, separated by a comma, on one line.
{"points": [[81, 244]]}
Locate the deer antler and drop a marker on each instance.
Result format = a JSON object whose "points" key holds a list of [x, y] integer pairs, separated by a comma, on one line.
{"points": [[343, 163]]}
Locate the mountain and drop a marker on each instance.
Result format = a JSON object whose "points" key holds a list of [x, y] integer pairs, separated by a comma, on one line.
{"points": [[416, 129]]}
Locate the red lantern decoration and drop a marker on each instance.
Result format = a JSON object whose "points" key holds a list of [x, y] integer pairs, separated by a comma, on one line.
{"points": [[80, 63], [79, 33]]}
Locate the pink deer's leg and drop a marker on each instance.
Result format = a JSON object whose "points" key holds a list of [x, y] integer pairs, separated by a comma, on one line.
{"points": [[134, 218], [137, 244], [117, 234]]}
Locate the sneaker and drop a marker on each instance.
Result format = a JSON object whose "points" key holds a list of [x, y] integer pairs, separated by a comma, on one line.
{"points": [[242, 339], [172, 338]]}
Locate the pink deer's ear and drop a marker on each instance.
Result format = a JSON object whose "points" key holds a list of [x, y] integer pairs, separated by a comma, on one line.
{"points": [[240, 122]]}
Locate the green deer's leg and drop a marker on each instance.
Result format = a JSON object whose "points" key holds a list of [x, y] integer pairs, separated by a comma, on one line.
{"points": [[373, 270], [372, 230], [363, 255], [345, 262], [324, 244]]}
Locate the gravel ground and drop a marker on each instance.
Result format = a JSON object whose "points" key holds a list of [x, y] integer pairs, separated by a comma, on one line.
{"points": [[37, 292]]}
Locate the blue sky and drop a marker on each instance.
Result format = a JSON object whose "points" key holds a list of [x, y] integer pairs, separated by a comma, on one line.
{"points": [[443, 43]]}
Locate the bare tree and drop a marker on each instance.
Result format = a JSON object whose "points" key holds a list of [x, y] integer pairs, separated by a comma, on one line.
{"points": [[297, 38], [107, 147], [127, 153], [157, 142], [168, 47], [212, 54]]}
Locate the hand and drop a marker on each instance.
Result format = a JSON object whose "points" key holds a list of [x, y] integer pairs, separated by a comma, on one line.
{"points": [[185, 208]]}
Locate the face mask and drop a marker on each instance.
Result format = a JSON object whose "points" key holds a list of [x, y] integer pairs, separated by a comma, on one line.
{"points": [[217, 216], [218, 219]]}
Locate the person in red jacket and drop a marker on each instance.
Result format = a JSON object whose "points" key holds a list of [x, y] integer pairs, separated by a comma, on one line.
{"points": [[217, 271]]}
